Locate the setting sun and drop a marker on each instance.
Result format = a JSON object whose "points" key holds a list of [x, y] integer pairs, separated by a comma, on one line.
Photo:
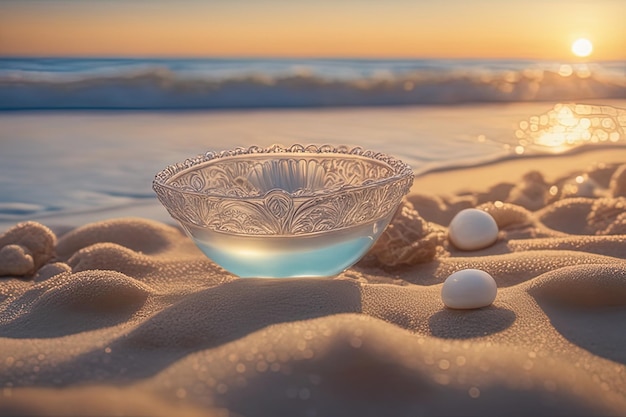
{"points": [[582, 47]]}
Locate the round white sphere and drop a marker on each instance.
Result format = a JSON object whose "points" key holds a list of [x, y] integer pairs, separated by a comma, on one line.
{"points": [[472, 229], [469, 288]]}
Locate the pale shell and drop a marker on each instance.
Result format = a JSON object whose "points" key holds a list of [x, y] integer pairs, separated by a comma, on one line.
{"points": [[468, 289], [472, 229]]}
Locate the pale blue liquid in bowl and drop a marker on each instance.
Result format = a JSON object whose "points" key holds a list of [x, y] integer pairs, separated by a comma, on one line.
{"points": [[313, 255]]}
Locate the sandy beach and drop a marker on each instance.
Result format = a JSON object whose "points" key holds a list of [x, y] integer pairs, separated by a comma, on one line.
{"points": [[127, 317], [487, 157]]}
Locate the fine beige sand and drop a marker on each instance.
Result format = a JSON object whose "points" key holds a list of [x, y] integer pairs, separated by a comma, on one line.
{"points": [[127, 317]]}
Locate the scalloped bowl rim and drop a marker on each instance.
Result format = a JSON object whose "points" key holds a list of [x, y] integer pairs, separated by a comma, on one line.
{"points": [[399, 168]]}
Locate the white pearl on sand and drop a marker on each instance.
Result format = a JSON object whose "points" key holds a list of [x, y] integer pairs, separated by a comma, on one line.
{"points": [[469, 288], [472, 229]]}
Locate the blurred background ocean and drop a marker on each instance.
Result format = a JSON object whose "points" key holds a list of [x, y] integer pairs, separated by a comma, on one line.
{"points": [[174, 83]]}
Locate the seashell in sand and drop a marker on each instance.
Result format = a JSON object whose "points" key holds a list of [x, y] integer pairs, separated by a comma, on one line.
{"points": [[468, 289], [472, 229], [408, 239], [24, 248], [16, 261]]}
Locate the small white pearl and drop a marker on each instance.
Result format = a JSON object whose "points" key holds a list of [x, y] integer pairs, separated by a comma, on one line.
{"points": [[472, 229], [469, 288]]}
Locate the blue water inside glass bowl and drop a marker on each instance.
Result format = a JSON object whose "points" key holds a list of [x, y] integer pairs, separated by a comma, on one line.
{"points": [[316, 255]]}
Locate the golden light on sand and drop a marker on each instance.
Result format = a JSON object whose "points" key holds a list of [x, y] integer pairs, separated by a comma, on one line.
{"points": [[582, 47]]}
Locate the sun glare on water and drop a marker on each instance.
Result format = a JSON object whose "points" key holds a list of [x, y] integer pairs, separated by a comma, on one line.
{"points": [[582, 47], [569, 125]]}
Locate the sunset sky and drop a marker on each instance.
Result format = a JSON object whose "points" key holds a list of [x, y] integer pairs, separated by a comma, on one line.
{"points": [[542, 29]]}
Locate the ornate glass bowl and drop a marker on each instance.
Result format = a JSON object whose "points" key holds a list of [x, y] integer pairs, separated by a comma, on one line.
{"points": [[302, 211]]}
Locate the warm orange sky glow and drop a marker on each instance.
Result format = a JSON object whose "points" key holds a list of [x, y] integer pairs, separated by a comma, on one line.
{"points": [[325, 28]]}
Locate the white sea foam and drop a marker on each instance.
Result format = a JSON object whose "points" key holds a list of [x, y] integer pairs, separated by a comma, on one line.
{"points": [[219, 84]]}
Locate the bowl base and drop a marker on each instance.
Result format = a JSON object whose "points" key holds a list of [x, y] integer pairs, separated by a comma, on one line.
{"points": [[323, 255]]}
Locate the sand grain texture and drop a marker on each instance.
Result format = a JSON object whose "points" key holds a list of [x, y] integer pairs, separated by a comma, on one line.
{"points": [[128, 317]]}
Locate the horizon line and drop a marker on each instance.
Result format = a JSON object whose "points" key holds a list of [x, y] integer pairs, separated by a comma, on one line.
{"points": [[306, 57]]}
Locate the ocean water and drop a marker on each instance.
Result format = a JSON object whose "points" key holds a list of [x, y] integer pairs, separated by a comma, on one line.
{"points": [[87, 135], [107, 83]]}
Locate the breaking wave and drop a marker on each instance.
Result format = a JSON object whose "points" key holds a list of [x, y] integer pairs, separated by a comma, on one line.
{"points": [[163, 85]]}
